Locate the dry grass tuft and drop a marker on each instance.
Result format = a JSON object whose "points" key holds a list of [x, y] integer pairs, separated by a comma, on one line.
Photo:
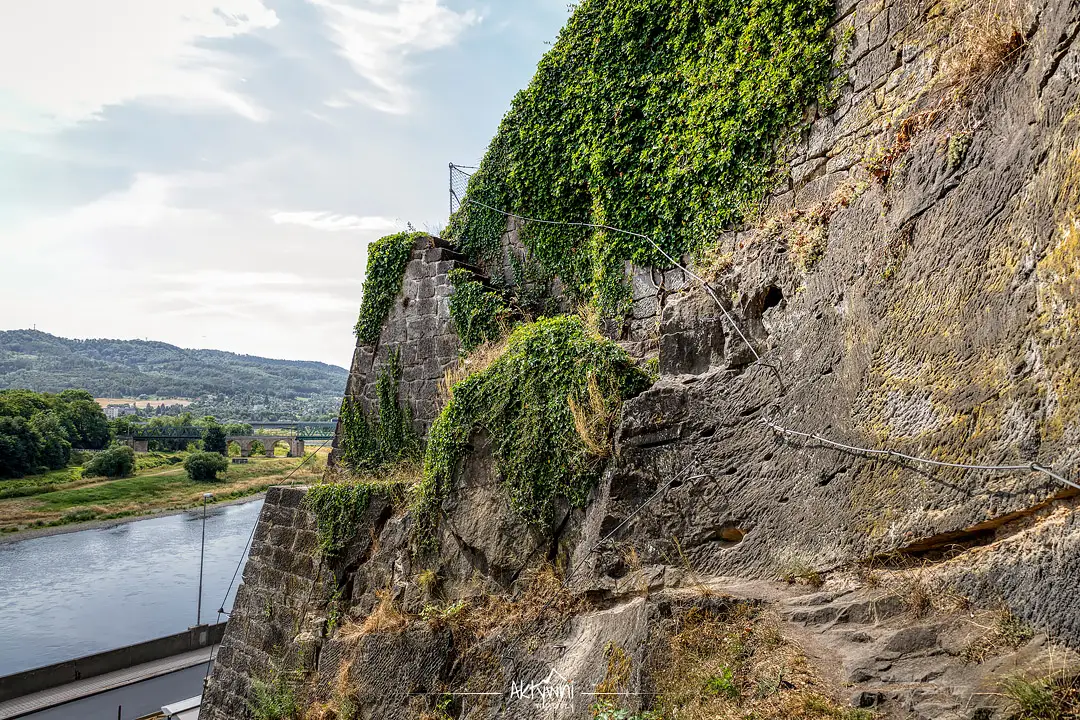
{"points": [[738, 665], [1007, 632], [594, 420], [387, 617], [543, 599], [712, 263], [798, 571], [480, 359], [918, 597], [1053, 697], [989, 36]]}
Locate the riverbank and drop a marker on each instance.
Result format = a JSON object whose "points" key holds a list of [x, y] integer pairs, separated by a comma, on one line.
{"points": [[95, 502], [48, 531]]}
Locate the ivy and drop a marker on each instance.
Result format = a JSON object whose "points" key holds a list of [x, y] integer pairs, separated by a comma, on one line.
{"points": [[387, 258], [368, 444], [522, 402], [476, 311], [666, 119], [338, 510]]}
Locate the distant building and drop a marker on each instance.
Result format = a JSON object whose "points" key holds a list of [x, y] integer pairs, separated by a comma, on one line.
{"points": [[117, 411]]}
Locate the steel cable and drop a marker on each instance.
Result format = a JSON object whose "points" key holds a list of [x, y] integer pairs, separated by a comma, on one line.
{"points": [[1029, 467]]}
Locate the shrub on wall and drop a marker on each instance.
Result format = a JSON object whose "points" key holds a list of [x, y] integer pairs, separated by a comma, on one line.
{"points": [[476, 311], [522, 401], [370, 443], [387, 258], [665, 119]]}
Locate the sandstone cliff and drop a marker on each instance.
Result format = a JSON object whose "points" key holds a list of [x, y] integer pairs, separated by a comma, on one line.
{"points": [[913, 286]]}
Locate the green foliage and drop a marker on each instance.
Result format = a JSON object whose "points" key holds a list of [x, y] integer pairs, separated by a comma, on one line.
{"points": [[387, 258], [116, 462], [476, 311], [137, 369], [957, 150], [214, 440], [521, 403], [18, 447], [38, 430], [237, 429], [152, 461], [205, 465], [55, 450], [723, 684], [275, 700], [665, 119], [368, 444], [611, 713], [338, 508]]}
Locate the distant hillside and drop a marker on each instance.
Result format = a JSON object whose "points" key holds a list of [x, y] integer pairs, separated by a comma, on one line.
{"points": [[130, 368]]}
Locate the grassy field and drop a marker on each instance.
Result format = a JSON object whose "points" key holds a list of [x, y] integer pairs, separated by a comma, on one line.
{"points": [[63, 497]]}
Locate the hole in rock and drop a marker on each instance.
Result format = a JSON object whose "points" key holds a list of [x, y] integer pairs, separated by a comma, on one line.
{"points": [[773, 297], [727, 535]]}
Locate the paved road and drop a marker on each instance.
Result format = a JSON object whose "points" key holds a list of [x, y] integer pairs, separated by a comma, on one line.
{"points": [[134, 687], [137, 700]]}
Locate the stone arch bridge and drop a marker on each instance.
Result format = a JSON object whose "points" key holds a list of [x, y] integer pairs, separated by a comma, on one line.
{"points": [[296, 445]]}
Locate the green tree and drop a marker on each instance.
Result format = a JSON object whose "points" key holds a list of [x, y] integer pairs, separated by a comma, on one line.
{"points": [[87, 426], [19, 445], [214, 440], [205, 466], [55, 450], [122, 426], [117, 461]]}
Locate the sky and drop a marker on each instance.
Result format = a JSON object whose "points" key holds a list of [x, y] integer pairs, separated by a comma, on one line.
{"points": [[209, 173]]}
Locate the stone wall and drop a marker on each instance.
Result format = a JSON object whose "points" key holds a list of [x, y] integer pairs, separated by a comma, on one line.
{"points": [[904, 295], [271, 624], [420, 328]]}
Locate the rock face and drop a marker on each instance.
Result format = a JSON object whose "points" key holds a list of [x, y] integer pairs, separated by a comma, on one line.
{"points": [[914, 286]]}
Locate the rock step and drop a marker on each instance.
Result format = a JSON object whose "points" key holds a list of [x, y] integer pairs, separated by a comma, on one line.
{"points": [[857, 612]]}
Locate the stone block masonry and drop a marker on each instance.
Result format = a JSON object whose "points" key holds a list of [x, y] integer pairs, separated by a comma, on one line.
{"points": [[266, 630], [419, 327]]}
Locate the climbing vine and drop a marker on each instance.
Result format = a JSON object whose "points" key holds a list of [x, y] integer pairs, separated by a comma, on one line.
{"points": [[368, 444], [338, 509], [666, 119], [477, 312], [522, 402], [387, 258]]}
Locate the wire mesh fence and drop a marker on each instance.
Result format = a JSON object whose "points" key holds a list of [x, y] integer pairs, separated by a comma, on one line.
{"points": [[459, 183]]}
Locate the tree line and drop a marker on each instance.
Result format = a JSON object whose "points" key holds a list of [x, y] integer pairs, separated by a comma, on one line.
{"points": [[39, 430]]}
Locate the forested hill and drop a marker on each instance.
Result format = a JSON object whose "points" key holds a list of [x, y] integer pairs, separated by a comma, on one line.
{"points": [[130, 368]]}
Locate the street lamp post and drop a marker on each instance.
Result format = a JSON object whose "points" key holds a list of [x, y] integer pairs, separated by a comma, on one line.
{"points": [[202, 553]]}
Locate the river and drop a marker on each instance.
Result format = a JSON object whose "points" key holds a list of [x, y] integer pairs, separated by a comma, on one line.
{"points": [[80, 593]]}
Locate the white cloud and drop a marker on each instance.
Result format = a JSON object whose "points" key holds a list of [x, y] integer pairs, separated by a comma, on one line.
{"points": [[148, 202], [377, 37], [63, 62], [334, 223]]}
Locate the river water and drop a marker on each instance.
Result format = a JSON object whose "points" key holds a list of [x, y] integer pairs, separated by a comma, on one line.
{"points": [[65, 596]]}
